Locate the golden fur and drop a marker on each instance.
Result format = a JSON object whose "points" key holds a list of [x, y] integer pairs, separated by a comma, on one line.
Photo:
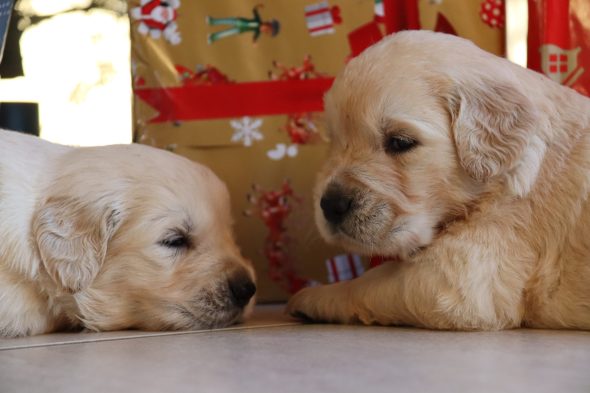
{"points": [[489, 211], [88, 240]]}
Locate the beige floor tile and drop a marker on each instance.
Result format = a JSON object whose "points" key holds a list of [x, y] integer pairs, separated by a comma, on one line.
{"points": [[308, 358], [264, 315]]}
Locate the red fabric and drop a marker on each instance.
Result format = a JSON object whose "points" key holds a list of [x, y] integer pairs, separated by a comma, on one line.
{"points": [[558, 43], [401, 15]]}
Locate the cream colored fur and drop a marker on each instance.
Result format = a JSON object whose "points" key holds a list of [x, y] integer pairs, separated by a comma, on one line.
{"points": [[490, 210], [81, 233]]}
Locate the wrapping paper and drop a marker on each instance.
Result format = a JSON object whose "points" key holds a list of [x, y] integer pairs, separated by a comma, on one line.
{"points": [[238, 86], [559, 41]]}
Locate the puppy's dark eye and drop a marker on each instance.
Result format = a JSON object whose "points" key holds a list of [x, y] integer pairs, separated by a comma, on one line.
{"points": [[397, 144], [176, 241]]}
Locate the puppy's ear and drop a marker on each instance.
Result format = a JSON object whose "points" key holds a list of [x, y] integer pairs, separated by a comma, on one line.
{"points": [[494, 124], [72, 239]]}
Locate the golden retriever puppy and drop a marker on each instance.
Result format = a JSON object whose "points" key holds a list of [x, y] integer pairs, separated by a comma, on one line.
{"points": [[472, 169], [114, 237]]}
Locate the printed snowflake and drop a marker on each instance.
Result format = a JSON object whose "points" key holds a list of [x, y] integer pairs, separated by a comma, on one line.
{"points": [[246, 130]]}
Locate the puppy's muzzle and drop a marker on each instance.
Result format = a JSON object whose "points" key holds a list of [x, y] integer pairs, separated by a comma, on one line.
{"points": [[241, 288], [336, 204]]}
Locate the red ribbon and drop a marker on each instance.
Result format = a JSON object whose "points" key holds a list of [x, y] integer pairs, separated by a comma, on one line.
{"points": [[235, 100]]}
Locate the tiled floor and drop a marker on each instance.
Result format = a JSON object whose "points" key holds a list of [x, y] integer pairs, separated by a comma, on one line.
{"points": [[273, 354]]}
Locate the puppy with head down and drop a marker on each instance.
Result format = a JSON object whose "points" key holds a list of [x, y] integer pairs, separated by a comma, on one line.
{"points": [[114, 237], [472, 169]]}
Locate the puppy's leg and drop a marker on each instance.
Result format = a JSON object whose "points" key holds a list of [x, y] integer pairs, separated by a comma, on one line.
{"points": [[420, 293], [375, 297]]}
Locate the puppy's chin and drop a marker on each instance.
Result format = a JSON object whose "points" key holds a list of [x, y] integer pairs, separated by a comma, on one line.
{"points": [[182, 318], [221, 320], [213, 313], [206, 310], [401, 239]]}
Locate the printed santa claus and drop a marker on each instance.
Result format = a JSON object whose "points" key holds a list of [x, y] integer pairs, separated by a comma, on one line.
{"points": [[158, 18]]}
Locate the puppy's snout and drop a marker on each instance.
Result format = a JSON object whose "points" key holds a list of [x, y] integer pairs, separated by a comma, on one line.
{"points": [[335, 205], [242, 288]]}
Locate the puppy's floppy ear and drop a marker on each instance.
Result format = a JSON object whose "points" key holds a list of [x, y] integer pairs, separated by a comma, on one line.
{"points": [[494, 124], [72, 239]]}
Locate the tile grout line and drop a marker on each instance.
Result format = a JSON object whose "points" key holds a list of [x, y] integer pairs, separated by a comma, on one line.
{"points": [[148, 335]]}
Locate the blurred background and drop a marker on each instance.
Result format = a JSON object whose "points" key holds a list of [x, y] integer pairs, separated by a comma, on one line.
{"points": [[71, 57]]}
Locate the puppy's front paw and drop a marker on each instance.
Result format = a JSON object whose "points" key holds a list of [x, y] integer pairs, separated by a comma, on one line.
{"points": [[303, 305], [318, 304], [302, 317]]}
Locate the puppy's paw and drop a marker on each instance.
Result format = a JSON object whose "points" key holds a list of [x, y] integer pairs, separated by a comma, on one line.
{"points": [[319, 305], [302, 317], [303, 305]]}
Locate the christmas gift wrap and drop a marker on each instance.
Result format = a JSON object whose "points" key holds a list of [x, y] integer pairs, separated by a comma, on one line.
{"points": [[238, 85], [559, 41], [481, 21]]}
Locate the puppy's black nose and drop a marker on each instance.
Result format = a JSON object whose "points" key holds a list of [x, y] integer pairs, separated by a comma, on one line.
{"points": [[335, 205], [242, 289]]}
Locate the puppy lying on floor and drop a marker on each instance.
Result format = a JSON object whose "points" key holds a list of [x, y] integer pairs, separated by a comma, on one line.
{"points": [[472, 169], [114, 237]]}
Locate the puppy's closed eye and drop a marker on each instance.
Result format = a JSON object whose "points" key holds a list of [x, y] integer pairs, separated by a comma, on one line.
{"points": [[177, 241], [395, 144]]}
